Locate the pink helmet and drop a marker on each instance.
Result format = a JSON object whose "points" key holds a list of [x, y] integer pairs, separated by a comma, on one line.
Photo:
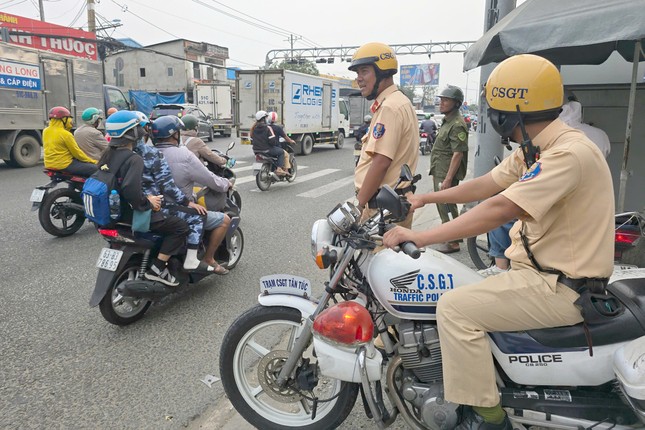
{"points": [[273, 117]]}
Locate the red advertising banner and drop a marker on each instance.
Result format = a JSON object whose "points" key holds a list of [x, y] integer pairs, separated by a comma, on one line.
{"points": [[49, 37]]}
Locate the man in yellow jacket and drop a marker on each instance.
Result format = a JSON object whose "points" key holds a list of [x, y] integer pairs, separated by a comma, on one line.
{"points": [[61, 150]]}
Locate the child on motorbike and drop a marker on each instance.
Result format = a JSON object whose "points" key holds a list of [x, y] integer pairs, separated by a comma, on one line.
{"points": [[158, 180]]}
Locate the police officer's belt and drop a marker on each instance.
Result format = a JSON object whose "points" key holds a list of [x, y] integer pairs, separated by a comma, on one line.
{"points": [[595, 285]]}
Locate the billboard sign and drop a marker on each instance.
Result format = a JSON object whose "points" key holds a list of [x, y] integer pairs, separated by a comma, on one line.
{"points": [[49, 37], [420, 74]]}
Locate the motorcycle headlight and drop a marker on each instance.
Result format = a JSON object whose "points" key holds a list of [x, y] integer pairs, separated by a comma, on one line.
{"points": [[321, 235], [343, 217]]}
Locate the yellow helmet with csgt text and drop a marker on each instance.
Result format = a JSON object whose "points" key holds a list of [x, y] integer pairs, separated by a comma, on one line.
{"points": [[524, 88], [529, 81], [378, 54]]}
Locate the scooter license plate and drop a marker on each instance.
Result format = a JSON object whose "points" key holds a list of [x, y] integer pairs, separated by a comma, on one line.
{"points": [[285, 284], [257, 166], [109, 259], [37, 195]]}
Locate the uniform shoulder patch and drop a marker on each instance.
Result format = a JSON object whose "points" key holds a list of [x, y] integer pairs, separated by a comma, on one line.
{"points": [[535, 170], [462, 136], [378, 131]]}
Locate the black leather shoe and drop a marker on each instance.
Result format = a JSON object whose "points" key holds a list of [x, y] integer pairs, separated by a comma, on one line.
{"points": [[471, 420]]}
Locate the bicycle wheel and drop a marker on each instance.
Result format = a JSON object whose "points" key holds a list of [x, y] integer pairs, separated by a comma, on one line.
{"points": [[478, 250]]}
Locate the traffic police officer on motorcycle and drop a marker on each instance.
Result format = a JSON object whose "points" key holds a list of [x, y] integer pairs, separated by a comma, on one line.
{"points": [[392, 139], [558, 185]]}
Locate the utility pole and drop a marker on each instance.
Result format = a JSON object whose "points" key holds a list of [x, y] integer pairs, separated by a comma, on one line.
{"points": [[488, 141], [91, 16], [292, 40], [41, 8]]}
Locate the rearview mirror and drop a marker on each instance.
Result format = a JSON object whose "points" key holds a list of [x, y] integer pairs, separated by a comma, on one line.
{"points": [[231, 145], [388, 199], [406, 173]]}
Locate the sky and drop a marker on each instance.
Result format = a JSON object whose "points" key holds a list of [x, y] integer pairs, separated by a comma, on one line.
{"points": [[251, 28]]}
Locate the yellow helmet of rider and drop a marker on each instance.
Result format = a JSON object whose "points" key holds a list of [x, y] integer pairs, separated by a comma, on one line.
{"points": [[378, 54], [529, 81], [525, 87]]}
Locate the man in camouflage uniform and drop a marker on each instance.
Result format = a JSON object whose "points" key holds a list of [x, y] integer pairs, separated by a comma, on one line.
{"points": [[449, 156], [157, 180]]}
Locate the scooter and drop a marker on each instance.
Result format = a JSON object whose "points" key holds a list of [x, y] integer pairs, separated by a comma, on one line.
{"points": [[121, 291], [60, 209], [425, 142], [296, 361], [265, 165]]}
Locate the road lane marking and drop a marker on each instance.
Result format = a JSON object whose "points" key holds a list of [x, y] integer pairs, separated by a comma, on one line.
{"points": [[327, 188]]}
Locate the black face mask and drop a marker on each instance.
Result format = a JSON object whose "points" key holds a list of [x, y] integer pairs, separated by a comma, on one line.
{"points": [[503, 123]]}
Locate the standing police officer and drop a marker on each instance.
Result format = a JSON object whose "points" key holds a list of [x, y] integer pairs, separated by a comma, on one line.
{"points": [[558, 184], [392, 139], [449, 156]]}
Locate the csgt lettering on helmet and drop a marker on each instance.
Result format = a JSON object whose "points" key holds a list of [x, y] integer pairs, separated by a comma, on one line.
{"points": [[387, 56], [510, 93]]}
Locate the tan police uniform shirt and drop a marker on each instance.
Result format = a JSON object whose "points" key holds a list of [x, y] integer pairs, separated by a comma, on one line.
{"points": [[569, 200], [393, 133]]}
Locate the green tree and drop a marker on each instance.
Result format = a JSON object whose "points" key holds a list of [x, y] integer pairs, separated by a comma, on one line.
{"points": [[297, 65], [409, 92]]}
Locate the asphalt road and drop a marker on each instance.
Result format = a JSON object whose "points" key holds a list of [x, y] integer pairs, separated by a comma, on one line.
{"points": [[64, 366]]}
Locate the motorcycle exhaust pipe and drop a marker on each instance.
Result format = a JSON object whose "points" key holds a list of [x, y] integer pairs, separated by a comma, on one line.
{"points": [[143, 288]]}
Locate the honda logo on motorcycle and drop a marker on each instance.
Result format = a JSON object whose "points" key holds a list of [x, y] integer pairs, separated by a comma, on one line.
{"points": [[439, 282]]}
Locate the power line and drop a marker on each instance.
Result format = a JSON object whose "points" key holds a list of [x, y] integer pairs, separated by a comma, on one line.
{"points": [[270, 29], [79, 13], [124, 8]]}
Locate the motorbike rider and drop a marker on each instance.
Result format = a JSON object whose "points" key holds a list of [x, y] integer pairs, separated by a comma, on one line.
{"points": [[157, 180], [363, 128], [265, 141], [125, 129], [60, 148], [393, 140], [558, 185], [187, 170], [88, 137], [195, 144], [272, 119], [429, 126]]}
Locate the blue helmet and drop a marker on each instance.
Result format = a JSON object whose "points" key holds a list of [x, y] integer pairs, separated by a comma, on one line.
{"points": [[117, 124], [165, 127], [144, 120]]}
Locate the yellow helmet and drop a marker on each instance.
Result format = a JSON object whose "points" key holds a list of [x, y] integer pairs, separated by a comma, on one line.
{"points": [[378, 54], [531, 82], [526, 86]]}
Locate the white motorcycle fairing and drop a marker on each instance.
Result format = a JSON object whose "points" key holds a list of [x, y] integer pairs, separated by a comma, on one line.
{"points": [[409, 288]]}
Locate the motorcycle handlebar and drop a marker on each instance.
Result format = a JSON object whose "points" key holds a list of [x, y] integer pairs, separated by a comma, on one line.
{"points": [[408, 248]]}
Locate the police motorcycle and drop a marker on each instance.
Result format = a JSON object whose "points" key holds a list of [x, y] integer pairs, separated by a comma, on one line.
{"points": [[60, 208], [265, 165], [295, 361]]}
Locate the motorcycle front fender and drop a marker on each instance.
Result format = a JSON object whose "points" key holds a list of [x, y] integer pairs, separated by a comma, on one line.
{"points": [[105, 277], [304, 306]]}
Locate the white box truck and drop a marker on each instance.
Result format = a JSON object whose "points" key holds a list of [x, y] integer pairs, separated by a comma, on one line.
{"points": [[309, 107], [215, 100]]}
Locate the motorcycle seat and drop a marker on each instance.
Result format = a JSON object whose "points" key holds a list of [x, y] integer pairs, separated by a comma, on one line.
{"points": [[62, 175], [627, 323]]}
